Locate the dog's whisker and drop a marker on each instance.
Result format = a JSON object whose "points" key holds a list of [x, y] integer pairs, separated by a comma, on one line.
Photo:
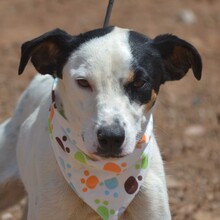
{"points": [[162, 130]]}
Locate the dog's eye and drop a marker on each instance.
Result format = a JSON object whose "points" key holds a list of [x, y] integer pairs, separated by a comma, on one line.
{"points": [[138, 83], [83, 83]]}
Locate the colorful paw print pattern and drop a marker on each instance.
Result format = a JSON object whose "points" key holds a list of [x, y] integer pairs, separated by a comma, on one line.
{"points": [[90, 181], [103, 210], [107, 186], [60, 142], [131, 184]]}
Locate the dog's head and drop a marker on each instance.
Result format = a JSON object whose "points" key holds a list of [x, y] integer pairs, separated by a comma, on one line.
{"points": [[109, 80]]}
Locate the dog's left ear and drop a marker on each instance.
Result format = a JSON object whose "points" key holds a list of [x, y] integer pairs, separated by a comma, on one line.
{"points": [[178, 57], [48, 52]]}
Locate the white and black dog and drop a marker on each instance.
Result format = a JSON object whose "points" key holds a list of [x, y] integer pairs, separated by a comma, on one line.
{"points": [[108, 82]]}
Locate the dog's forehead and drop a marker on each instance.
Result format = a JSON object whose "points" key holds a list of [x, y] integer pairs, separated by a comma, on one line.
{"points": [[107, 54]]}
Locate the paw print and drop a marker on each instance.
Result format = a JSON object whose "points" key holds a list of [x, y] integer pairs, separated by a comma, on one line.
{"points": [[81, 157], [66, 167], [90, 181], [110, 185], [103, 210], [144, 139], [113, 167], [60, 142], [144, 162], [141, 141], [131, 184]]}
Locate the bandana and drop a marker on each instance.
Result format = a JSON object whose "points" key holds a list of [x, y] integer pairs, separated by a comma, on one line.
{"points": [[108, 186]]}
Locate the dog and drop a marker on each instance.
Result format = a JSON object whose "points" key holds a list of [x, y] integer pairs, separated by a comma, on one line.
{"points": [[108, 81]]}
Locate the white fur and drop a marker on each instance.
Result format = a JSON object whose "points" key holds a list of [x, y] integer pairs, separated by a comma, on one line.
{"points": [[104, 62]]}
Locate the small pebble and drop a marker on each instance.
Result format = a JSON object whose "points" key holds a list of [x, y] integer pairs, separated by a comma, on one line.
{"points": [[195, 131], [187, 16]]}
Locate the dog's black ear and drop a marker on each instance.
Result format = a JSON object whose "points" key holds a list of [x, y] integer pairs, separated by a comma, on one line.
{"points": [[178, 57], [48, 52]]}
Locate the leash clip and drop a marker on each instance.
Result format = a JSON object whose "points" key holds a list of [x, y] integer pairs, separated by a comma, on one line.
{"points": [[108, 13]]}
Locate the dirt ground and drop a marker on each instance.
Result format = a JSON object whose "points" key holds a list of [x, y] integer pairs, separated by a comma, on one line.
{"points": [[187, 118]]}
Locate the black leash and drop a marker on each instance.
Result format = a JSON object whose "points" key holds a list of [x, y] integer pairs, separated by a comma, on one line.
{"points": [[108, 13]]}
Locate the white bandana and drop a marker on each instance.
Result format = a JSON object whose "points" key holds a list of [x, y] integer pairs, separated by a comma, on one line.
{"points": [[107, 186]]}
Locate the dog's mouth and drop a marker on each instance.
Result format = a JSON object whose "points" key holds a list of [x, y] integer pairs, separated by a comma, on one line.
{"points": [[109, 155], [109, 152], [102, 154]]}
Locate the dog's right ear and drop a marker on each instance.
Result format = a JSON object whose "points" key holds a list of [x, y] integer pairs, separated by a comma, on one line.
{"points": [[178, 57], [48, 52]]}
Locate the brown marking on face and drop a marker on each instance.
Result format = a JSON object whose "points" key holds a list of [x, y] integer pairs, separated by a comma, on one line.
{"points": [[149, 105], [130, 77]]}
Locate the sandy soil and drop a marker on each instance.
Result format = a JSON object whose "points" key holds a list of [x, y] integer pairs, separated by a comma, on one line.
{"points": [[187, 119]]}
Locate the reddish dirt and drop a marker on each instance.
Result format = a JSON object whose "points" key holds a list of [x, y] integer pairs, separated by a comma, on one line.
{"points": [[187, 119]]}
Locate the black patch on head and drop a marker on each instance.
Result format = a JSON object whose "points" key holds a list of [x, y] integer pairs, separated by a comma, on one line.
{"points": [[146, 65], [87, 36], [50, 51], [165, 58]]}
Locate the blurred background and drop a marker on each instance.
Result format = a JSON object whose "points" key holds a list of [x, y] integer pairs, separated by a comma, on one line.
{"points": [[187, 117]]}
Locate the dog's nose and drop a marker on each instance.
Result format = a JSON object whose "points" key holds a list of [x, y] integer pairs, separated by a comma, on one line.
{"points": [[111, 138]]}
